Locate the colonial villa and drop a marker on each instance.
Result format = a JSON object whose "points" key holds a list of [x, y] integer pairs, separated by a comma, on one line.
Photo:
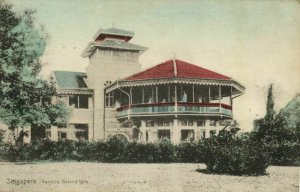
{"points": [[174, 99]]}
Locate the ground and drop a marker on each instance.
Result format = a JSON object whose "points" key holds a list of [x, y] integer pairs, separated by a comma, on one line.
{"points": [[81, 176]]}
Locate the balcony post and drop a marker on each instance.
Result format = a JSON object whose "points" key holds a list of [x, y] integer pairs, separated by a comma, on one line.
{"points": [[231, 103], [175, 99], [220, 95], [193, 93], [130, 98], [231, 96], [143, 95], [156, 93], [208, 94], [169, 98], [152, 96]]}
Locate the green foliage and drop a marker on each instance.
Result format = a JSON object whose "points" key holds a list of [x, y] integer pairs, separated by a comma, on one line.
{"points": [[235, 156], [286, 153], [114, 150], [24, 97], [270, 112], [280, 132], [167, 150], [190, 152]]}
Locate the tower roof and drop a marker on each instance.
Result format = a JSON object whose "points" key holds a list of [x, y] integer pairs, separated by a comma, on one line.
{"points": [[114, 32], [112, 38], [177, 68]]}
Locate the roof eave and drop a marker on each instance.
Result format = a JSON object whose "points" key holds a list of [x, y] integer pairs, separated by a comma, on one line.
{"points": [[158, 81], [102, 31], [68, 91], [91, 48]]}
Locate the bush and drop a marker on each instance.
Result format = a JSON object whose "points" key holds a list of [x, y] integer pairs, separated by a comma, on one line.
{"points": [[222, 154], [143, 153], [114, 150], [235, 156], [167, 150], [286, 153], [190, 152]]}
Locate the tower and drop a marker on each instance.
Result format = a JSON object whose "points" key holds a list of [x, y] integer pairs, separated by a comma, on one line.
{"points": [[111, 57]]}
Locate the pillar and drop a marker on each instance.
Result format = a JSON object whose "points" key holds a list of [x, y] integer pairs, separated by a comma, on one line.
{"points": [[54, 136], [176, 132]]}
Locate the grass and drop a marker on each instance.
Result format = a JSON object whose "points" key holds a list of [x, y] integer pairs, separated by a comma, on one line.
{"points": [[139, 177]]}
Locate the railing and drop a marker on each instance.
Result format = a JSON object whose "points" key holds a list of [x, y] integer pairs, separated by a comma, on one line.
{"points": [[169, 108]]}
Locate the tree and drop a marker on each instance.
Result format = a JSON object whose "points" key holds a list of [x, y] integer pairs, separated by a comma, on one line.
{"points": [[25, 98], [265, 126], [279, 131], [270, 112]]}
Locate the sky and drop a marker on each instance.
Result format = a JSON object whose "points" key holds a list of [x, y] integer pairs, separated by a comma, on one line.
{"points": [[255, 42]]}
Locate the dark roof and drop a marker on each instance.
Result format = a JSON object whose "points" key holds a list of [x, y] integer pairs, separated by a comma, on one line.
{"points": [[70, 79], [116, 31], [177, 68], [109, 43]]}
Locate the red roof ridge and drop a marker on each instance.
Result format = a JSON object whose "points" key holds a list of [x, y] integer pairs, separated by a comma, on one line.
{"points": [[148, 68], [176, 68]]}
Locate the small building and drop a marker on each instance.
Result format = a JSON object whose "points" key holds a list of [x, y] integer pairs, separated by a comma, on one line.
{"points": [[174, 99]]}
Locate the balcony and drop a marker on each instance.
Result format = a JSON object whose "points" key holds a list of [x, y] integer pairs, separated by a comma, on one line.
{"points": [[182, 108]]}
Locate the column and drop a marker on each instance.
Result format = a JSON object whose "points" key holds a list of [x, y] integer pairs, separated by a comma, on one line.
{"points": [[143, 130], [91, 131], [231, 103], [208, 94], [143, 95], [156, 94], [220, 95], [176, 132], [193, 93], [54, 136], [130, 99]]}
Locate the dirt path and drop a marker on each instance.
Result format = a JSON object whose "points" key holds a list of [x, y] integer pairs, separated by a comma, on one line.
{"points": [[75, 177]]}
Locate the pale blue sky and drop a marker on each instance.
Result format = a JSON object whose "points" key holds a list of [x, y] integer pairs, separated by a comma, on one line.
{"points": [[255, 42]]}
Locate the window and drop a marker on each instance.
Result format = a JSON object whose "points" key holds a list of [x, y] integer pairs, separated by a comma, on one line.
{"points": [[164, 133], [62, 135], [187, 122], [149, 123], [109, 100], [224, 122], [213, 123], [48, 134], [203, 134], [160, 123], [62, 125], [200, 123], [81, 126], [79, 101], [184, 122], [187, 135], [82, 135], [212, 132], [118, 55], [167, 123]]}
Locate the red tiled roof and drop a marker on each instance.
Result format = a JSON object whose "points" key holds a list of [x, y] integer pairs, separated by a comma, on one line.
{"points": [[177, 68]]}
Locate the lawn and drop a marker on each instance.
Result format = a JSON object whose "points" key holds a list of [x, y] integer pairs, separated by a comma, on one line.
{"points": [[81, 176]]}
